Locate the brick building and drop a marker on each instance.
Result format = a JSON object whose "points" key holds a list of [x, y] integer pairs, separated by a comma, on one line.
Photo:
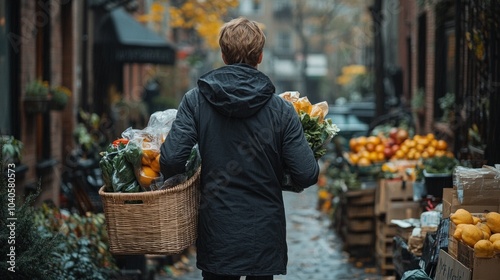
{"points": [[57, 41], [448, 51], [41, 42]]}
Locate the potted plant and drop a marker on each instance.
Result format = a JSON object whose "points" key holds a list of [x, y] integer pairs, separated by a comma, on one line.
{"points": [[438, 174], [12, 149], [59, 97], [36, 99]]}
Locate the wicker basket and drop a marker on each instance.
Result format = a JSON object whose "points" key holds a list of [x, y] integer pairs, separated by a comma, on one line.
{"points": [[160, 222]]}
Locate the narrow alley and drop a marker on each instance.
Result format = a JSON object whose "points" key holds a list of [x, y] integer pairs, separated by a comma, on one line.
{"points": [[314, 249]]}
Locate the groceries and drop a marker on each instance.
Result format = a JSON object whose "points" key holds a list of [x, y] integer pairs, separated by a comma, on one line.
{"points": [[132, 162], [478, 231]]}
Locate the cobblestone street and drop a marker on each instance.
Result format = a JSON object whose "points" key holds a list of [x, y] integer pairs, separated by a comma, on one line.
{"points": [[314, 249]]}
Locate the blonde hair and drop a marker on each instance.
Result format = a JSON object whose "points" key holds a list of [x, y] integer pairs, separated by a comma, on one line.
{"points": [[241, 41]]}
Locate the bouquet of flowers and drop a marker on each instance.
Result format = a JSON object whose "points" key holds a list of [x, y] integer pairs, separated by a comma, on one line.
{"points": [[318, 130]]}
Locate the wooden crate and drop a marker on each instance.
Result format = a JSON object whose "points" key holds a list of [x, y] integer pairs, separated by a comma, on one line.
{"points": [[359, 211], [385, 265], [360, 225], [392, 190], [384, 246], [385, 235], [400, 210], [360, 197], [386, 230], [453, 247], [358, 239]]}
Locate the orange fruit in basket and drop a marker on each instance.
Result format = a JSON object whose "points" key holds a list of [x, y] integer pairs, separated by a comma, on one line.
{"points": [[150, 153], [148, 171], [155, 164], [145, 160], [147, 175]]}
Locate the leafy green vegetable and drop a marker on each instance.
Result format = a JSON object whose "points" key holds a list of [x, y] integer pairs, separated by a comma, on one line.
{"points": [[118, 165], [318, 134], [440, 165]]}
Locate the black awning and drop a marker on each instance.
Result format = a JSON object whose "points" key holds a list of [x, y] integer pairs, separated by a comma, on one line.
{"points": [[127, 41]]}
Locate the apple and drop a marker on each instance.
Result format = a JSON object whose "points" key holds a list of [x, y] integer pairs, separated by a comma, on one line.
{"points": [[393, 133], [388, 153], [401, 136], [394, 148], [390, 142]]}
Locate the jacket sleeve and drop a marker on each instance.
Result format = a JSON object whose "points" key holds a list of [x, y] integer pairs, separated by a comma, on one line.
{"points": [[298, 156], [181, 138]]}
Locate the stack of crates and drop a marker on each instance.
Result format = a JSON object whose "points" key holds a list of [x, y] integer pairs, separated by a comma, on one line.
{"points": [[357, 227], [393, 201]]}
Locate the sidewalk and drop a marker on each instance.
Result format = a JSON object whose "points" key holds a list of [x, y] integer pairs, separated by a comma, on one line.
{"points": [[314, 249]]}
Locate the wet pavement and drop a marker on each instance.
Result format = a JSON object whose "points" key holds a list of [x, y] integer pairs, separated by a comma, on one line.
{"points": [[314, 249]]}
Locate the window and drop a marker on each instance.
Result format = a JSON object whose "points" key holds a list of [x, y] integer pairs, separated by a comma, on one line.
{"points": [[282, 9], [284, 44], [250, 7]]}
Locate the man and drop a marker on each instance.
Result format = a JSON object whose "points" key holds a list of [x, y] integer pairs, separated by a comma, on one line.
{"points": [[247, 137]]}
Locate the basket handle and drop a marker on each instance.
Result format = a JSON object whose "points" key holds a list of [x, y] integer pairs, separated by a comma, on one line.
{"points": [[134, 201]]}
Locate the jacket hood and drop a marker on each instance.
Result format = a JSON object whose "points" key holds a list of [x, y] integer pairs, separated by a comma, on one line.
{"points": [[237, 90]]}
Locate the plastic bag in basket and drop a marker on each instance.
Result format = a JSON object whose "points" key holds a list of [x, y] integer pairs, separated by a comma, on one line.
{"points": [[147, 171], [118, 164]]}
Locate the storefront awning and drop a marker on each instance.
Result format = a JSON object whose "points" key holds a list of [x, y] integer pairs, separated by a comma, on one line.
{"points": [[120, 36]]}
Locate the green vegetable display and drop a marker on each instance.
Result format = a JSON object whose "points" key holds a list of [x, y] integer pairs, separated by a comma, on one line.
{"points": [[440, 165]]}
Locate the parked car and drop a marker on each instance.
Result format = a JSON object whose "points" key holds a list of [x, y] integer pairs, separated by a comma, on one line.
{"points": [[352, 120]]}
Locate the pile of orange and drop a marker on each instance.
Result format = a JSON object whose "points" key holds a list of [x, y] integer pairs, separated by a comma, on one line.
{"points": [[422, 146], [367, 150]]}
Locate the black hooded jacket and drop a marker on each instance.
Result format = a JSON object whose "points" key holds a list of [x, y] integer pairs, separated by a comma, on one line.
{"points": [[247, 137]]}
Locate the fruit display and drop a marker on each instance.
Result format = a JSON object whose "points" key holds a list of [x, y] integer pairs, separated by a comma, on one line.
{"points": [[479, 232], [396, 145]]}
